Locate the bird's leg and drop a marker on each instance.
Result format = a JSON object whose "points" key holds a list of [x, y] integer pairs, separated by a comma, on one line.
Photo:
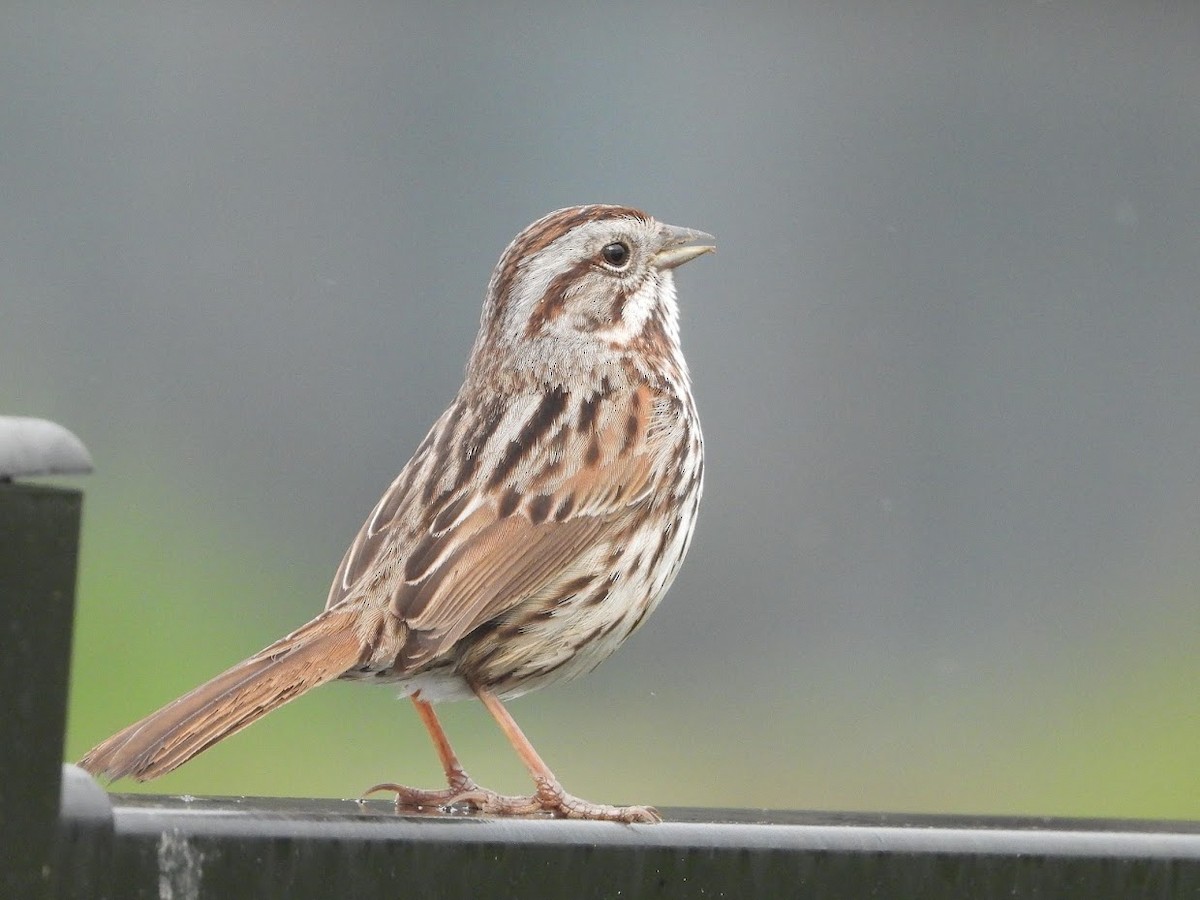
{"points": [[462, 789], [549, 795], [456, 775]]}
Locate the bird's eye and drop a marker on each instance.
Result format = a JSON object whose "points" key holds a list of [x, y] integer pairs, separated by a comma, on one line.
{"points": [[616, 254]]}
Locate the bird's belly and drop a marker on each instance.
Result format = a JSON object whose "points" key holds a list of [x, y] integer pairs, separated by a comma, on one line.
{"points": [[577, 633], [568, 644]]}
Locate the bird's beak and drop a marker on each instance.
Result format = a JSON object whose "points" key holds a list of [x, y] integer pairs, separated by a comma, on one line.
{"points": [[678, 246]]}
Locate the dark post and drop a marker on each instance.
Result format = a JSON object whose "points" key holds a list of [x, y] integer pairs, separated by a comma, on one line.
{"points": [[39, 550]]}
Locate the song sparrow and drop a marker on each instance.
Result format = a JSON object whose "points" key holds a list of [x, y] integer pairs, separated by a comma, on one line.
{"points": [[537, 525]]}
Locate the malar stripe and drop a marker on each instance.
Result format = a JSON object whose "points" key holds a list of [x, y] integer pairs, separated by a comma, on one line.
{"points": [[617, 311]]}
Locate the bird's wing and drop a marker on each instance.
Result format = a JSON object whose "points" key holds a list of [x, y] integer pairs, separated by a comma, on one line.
{"points": [[488, 544]]}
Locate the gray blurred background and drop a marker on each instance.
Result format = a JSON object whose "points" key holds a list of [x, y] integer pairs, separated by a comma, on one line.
{"points": [[946, 357]]}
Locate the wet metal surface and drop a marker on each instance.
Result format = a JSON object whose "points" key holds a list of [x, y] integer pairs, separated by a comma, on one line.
{"points": [[232, 847]]}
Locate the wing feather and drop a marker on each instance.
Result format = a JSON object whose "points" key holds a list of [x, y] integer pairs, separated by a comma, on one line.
{"points": [[487, 546]]}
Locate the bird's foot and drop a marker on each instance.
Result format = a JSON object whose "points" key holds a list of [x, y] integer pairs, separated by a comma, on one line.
{"points": [[549, 798], [463, 791], [556, 801]]}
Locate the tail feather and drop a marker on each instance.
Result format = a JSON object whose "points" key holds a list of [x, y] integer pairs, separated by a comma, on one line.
{"points": [[315, 653]]}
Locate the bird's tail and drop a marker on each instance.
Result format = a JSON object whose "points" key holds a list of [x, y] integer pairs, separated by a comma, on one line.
{"points": [[313, 654]]}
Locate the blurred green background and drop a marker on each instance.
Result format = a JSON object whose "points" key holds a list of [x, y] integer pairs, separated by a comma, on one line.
{"points": [[946, 358]]}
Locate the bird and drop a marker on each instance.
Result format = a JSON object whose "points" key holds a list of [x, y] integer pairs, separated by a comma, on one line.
{"points": [[537, 525]]}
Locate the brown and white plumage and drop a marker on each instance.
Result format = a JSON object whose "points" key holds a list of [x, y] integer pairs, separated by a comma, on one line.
{"points": [[539, 522]]}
